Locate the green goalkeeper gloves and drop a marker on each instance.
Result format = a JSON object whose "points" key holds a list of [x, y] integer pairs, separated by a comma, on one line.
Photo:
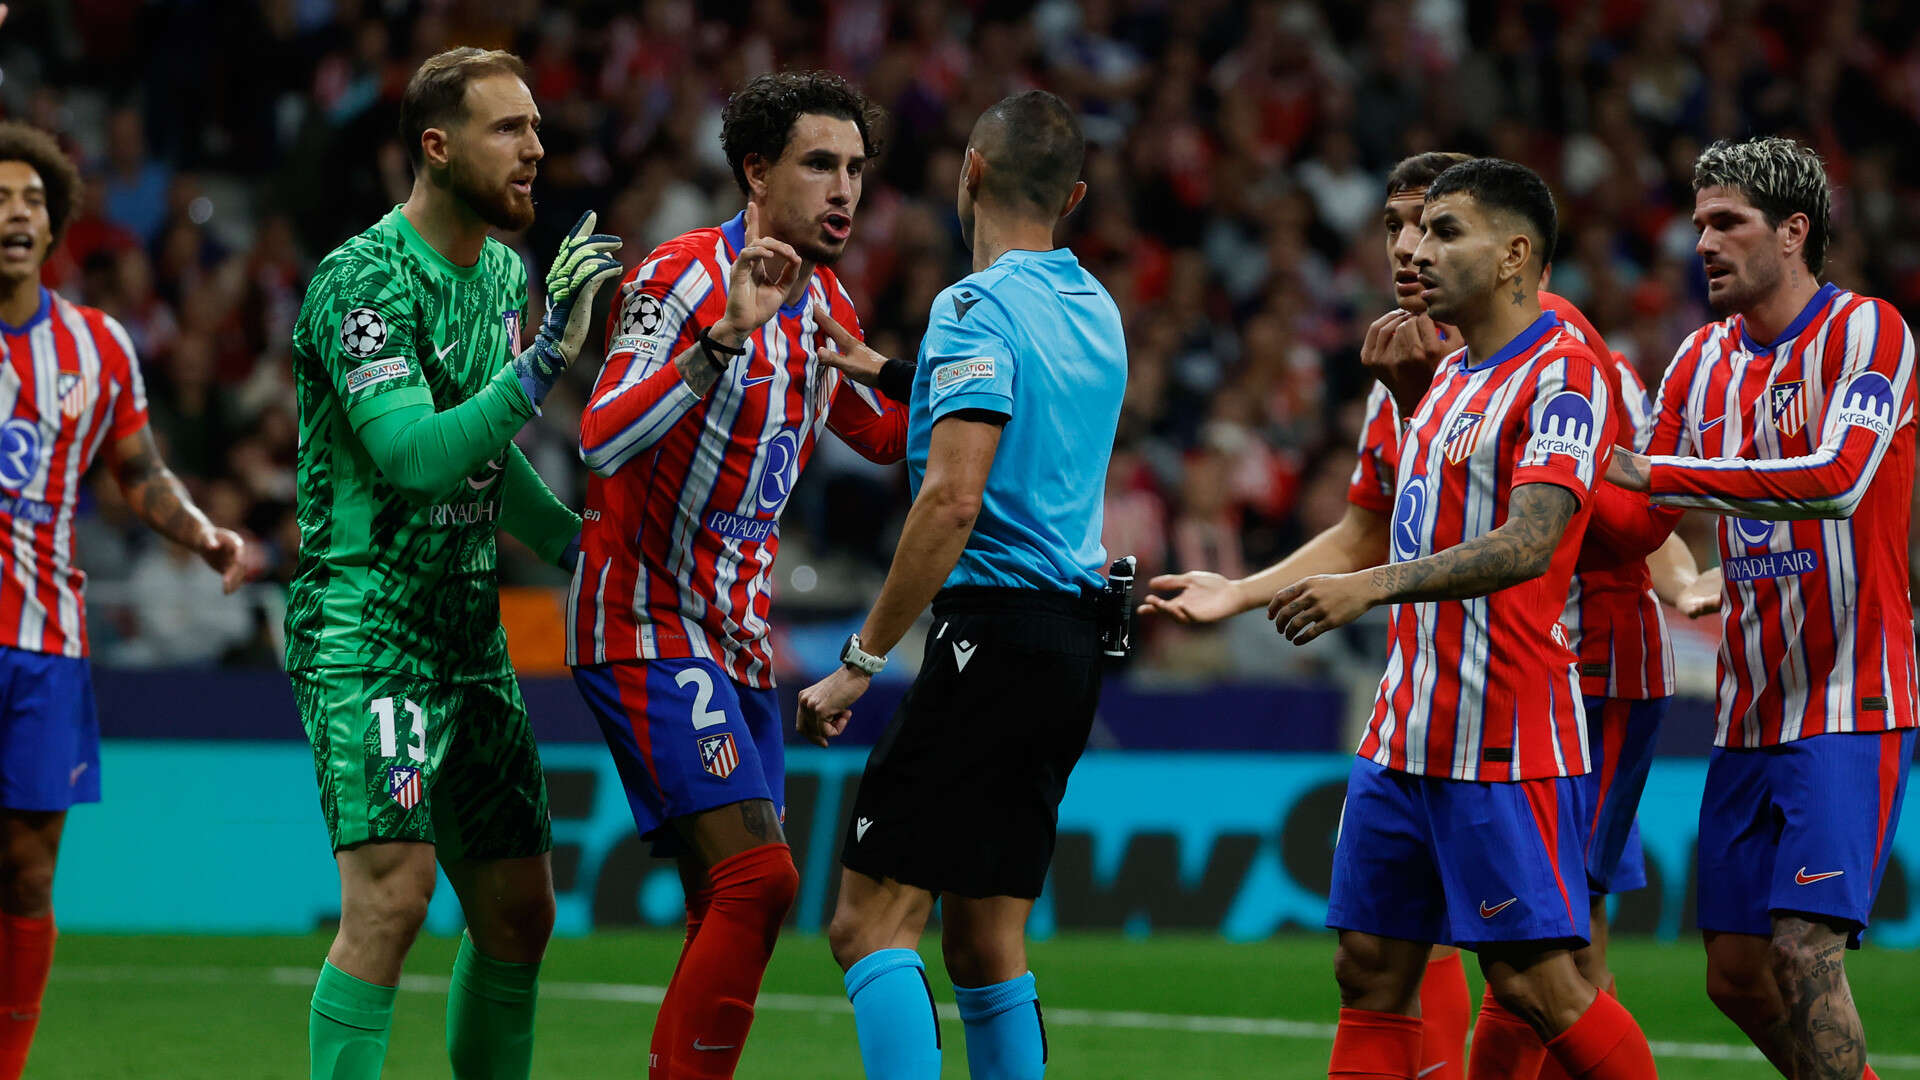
{"points": [[585, 263]]}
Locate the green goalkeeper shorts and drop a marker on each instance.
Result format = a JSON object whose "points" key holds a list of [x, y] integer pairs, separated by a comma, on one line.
{"points": [[400, 757]]}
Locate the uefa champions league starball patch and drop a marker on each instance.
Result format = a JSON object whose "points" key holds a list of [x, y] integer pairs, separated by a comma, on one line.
{"points": [[362, 332]]}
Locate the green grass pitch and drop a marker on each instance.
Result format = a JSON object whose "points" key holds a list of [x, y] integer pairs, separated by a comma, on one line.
{"points": [[1168, 1008]]}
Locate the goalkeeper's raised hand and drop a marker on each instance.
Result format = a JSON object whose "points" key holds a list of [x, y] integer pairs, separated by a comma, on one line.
{"points": [[585, 263]]}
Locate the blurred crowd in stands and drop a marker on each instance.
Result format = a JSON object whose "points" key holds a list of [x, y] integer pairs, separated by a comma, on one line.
{"points": [[1236, 156]]}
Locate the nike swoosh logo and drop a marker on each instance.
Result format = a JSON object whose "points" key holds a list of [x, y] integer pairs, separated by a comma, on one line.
{"points": [[74, 776], [1803, 878], [860, 828], [756, 380], [1429, 1070], [698, 1045], [1714, 424], [1489, 912], [962, 652], [441, 354]]}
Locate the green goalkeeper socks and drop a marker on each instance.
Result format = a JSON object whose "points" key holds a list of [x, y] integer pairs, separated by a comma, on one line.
{"points": [[490, 1016], [347, 1028]]}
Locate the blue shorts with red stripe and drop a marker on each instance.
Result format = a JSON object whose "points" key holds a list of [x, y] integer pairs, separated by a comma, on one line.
{"points": [[686, 739], [49, 734], [1802, 827], [1459, 862], [1620, 738]]}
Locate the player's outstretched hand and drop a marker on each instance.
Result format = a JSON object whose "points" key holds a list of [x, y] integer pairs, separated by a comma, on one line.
{"points": [[826, 706], [1199, 596], [850, 356], [757, 285], [1703, 596], [230, 557], [1312, 606], [585, 262]]}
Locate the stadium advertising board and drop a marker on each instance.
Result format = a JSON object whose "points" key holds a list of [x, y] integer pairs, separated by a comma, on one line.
{"points": [[1149, 841]]}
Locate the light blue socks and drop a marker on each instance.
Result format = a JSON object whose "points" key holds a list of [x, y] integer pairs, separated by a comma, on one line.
{"points": [[1006, 1039], [893, 1010]]}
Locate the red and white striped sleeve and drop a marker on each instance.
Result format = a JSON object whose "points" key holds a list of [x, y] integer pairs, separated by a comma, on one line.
{"points": [[873, 424], [662, 306], [1872, 397]]}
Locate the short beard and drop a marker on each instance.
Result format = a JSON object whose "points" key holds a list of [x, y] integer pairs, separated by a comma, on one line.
{"points": [[498, 207], [819, 254], [1738, 298]]}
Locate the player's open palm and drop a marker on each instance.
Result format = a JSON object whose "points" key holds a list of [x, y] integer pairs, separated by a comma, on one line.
{"points": [[762, 274], [1199, 596], [850, 356]]}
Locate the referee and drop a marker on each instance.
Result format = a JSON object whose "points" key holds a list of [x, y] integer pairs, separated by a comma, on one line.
{"points": [[1012, 411]]}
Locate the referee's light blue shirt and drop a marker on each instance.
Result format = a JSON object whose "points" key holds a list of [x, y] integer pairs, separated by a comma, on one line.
{"points": [[1035, 339]]}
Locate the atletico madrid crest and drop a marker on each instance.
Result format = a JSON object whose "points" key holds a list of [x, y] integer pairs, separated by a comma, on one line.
{"points": [[1788, 406], [403, 783], [718, 755], [73, 393], [1463, 437]]}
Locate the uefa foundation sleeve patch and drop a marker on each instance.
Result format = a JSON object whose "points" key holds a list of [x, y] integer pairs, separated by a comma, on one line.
{"points": [[374, 374], [959, 371]]}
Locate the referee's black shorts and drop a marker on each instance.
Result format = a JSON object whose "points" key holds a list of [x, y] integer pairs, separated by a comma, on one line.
{"points": [[963, 791]]}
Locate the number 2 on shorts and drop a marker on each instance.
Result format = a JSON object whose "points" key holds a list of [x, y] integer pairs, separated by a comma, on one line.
{"points": [[697, 678], [389, 738]]}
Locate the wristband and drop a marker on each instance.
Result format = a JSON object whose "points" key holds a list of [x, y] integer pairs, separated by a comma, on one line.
{"points": [[896, 379], [713, 350]]}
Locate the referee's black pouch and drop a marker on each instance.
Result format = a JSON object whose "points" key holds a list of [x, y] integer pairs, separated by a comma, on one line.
{"points": [[1116, 609]]}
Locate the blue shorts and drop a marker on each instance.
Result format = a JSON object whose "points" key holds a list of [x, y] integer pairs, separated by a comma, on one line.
{"points": [[1620, 737], [686, 739], [1459, 862], [1802, 827], [49, 734]]}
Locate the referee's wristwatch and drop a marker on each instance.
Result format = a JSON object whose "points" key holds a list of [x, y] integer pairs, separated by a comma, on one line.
{"points": [[859, 659]]}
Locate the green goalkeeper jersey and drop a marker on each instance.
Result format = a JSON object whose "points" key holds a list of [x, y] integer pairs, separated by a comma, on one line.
{"points": [[394, 574]]}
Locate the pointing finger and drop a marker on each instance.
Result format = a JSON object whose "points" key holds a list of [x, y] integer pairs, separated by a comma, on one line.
{"points": [[834, 330]]}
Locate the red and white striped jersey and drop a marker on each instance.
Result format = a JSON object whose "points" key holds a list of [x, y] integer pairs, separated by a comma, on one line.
{"points": [[1484, 689], [1614, 622], [683, 513], [69, 383], [1807, 445]]}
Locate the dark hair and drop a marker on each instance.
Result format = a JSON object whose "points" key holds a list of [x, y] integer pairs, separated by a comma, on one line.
{"points": [[759, 117], [1780, 178], [1420, 170], [1508, 187], [1034, 150], [437, 92], [19, 142]]}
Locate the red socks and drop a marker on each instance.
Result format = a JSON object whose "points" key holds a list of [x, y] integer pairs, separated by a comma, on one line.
{"points": [[1375, 1046], [1604, 1044], [709, 1007], [1503, 1045], [1550, 1068], [26, 955], [666, 1026], [1444, 1011]]}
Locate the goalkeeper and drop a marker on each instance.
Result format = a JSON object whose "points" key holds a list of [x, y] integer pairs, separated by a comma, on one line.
{"points": [[411, 384]]}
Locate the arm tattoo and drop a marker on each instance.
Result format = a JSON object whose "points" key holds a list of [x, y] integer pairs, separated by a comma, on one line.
{"points": [[1519, 550], [1632, 466], [1823, 1029], [695, 370], [156, 495]]}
